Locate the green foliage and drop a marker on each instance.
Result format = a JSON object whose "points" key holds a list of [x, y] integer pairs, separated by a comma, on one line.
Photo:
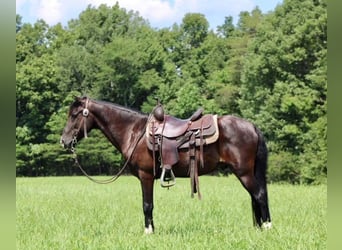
{"points": [[227, 28], [195, 29], [268, 68], [284, 78], [314, 159], [283, 167]]}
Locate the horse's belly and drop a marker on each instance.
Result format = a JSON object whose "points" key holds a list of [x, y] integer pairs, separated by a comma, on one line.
{"points": [[210, 161]]}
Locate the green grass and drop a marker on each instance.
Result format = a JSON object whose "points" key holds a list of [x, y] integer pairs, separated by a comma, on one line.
{"points": [[74, 213]]}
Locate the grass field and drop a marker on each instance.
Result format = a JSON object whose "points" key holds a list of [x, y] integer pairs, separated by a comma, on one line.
{"points": [[74, 213]]}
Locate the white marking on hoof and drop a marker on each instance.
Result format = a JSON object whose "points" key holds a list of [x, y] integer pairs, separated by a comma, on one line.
{"points": [[266, 225], [149, 230]]}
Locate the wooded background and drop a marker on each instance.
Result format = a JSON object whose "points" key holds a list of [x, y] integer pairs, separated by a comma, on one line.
{"points": [[270, 69]]}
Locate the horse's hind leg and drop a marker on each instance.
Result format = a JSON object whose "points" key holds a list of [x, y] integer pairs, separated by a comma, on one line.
{"points": [[259, 198], [256, 212]]}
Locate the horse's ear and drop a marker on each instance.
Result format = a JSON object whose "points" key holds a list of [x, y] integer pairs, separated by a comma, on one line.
{"points": [[80, 98], [157, 99], [76, 98]]}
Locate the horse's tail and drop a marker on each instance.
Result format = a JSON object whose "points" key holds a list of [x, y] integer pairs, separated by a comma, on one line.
{"points": [[261, 159], [261, 213]]}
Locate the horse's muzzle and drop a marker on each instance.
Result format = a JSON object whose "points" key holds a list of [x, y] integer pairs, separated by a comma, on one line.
{"points": [[66, 144], [62, 143]]}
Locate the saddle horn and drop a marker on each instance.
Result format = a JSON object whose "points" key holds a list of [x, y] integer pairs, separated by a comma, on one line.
{"points": [[158, 111]]}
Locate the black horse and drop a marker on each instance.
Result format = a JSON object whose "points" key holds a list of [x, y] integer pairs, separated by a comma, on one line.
{"points": [[239, 147]]}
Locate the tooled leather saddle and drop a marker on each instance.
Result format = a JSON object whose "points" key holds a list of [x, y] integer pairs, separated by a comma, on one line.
{"points": [[167, 134]]}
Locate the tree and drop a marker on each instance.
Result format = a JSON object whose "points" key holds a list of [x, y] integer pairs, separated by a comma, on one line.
{"points": [[195, 29], [131, 68], [284, 81], [227, 29], [36, 85], [18, 21]]}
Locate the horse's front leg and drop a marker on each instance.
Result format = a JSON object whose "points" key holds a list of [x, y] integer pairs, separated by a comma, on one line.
{"points": [[147, 182]]}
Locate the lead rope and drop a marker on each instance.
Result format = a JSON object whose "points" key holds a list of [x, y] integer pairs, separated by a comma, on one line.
{"points": [[115, 177]]}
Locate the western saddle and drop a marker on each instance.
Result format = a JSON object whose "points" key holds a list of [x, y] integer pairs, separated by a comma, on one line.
{"points": [[167, 134]]}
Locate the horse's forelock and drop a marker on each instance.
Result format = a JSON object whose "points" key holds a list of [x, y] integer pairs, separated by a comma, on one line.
{"points": [[76, 103]]}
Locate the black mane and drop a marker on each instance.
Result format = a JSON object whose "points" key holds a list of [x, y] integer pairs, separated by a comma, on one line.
{"points": [[121, 108]]}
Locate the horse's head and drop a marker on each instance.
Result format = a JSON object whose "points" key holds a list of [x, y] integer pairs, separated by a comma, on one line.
{"points": [[79, 123]]}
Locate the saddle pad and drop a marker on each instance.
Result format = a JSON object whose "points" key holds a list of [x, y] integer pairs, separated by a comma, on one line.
{"points": [[210, 135]]}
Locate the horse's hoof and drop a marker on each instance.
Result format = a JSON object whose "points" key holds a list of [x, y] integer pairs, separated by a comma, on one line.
{"points": [[266, 225], [149, 230]]}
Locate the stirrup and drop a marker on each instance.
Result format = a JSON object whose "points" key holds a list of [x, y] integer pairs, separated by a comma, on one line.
{"points": [[166, 182]]}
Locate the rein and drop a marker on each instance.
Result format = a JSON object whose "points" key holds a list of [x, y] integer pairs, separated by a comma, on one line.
{"points": [[85, 114], [107, 181]]}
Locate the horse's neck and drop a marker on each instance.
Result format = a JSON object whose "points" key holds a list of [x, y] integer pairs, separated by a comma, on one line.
{"points": [[118, 125]]}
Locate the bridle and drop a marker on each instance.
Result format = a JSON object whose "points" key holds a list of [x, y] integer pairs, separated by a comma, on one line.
{"points": [[85, 114]]}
